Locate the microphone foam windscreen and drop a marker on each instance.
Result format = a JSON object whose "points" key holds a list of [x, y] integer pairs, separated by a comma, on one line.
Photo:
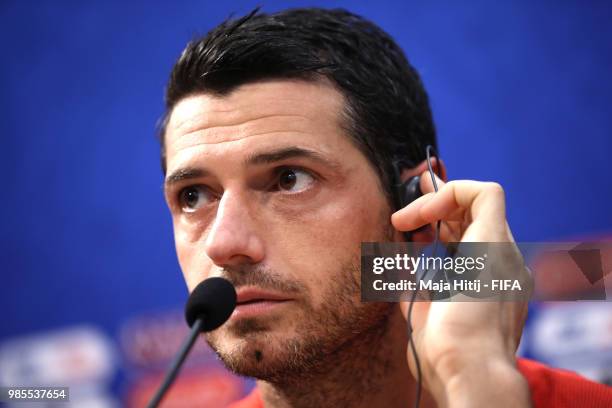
{"points": [[214, 300]]}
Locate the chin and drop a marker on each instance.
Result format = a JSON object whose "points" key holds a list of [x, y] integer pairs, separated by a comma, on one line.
{"points": [[262, 354]]}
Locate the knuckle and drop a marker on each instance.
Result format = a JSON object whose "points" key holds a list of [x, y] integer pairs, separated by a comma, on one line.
{"points": [[453, 183], [495, 188]]}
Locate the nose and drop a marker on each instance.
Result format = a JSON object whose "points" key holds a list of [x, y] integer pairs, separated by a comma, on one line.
{"points": [[234, 237]]}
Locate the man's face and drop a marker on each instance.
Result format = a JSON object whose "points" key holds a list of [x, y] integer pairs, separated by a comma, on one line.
{"points": [[267, 190]]}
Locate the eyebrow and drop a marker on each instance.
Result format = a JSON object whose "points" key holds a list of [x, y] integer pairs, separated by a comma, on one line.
{"points": [[188, 173], [287, 153]]}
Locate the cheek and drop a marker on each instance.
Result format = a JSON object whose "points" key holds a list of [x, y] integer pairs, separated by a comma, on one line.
{"points": [[345, 221], [321, 246], [194, 265]]}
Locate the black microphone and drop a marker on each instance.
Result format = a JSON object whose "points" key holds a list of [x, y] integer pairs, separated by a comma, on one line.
{"points": [[210, 304]]}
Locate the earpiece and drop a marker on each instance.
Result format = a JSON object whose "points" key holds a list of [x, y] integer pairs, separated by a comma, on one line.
{"points": [[405, 193], [408, 191]]}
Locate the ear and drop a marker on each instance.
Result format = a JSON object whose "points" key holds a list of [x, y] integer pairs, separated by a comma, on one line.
{"points": [[437, 165]]}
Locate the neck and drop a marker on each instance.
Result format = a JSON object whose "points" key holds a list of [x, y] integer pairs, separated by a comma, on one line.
{"points": [[368, 371]]}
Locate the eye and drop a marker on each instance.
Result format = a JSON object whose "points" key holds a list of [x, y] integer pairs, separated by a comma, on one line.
{"points": [[294, 180], [193, 197]]}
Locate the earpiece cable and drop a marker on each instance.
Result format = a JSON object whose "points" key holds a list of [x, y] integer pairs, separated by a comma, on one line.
{"points": [[412, 346]]}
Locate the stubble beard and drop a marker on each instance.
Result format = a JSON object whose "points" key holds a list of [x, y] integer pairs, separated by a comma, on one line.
{"points": [[321, 337]]}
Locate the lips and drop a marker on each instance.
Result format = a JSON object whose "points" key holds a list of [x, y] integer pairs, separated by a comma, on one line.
{"points": [[252, 302], [251, 295]]}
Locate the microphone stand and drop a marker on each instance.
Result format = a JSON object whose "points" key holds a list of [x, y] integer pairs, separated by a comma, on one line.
{"points": [[176, 364]]}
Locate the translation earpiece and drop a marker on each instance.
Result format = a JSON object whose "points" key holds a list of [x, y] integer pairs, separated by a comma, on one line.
{"points": [[405, 193], [409, 191]]}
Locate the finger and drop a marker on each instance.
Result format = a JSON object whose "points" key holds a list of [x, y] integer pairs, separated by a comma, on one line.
{"points": [[450, 228], [411, 217], [484, 201], [408, 218], [481, 200], [450, 231]]}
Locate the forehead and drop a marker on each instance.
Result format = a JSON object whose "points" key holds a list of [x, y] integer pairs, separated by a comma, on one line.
{"points": [[267, 111]]}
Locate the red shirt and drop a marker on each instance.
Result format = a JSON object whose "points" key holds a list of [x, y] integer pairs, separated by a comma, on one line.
{"points": [[550, 388]]}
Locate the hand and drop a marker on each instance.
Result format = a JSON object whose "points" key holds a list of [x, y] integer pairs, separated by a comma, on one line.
{"points": [[466, 349]]}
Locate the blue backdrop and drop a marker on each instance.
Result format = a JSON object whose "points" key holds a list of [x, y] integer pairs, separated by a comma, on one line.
{"points": [[520, 93]]}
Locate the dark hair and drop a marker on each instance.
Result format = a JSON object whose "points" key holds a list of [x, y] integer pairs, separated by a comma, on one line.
{"points": [[387, 112]]}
